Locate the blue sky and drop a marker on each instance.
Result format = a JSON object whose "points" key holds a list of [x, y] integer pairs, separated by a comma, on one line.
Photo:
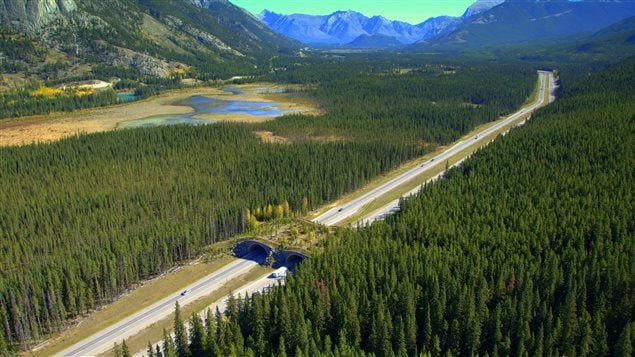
{"points": [[412, 11]]}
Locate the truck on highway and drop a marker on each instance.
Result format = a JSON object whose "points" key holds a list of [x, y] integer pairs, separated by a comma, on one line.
{"points": [[280, 272]]}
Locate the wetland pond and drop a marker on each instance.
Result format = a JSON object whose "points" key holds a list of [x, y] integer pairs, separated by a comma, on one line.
{"points": [[126, 97], [210, 107]]}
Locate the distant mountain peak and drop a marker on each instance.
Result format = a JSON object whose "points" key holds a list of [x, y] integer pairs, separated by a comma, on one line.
{"points": [[380, 18], [345, 26], [347, 12], [480, 6]]}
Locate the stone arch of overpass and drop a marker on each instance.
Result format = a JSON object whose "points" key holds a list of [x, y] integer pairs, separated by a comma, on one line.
{"points": [[293, 259], [260, 248], [288, 258], [249, 246]]}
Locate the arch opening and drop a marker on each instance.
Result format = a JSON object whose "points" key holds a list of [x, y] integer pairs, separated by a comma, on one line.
{"points": [[257, 252], [293, 260]]}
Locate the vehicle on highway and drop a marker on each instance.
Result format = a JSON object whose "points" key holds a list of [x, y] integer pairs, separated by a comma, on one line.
{"points": [[280, 272], [340, 210], [185, 292]]}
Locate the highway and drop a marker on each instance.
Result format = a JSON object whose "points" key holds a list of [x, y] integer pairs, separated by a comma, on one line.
{"points": [[261, 284], [104, 340], [339, 213]]}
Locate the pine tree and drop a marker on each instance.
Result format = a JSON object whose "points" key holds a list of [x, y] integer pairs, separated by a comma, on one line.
{"points": [[124, 349], [286, 209], [599, 346], [168, 345], [624, 346], [436, 346], [197, 336], [401, 339], [305, 204], [278, 211], [211, 347], [268, 211], [282, 349], [116, 350], [221, 339], [150, 350], [180, 335]]}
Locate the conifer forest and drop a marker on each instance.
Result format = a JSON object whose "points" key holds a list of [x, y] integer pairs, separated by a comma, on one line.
{"points": [[522, 244]]}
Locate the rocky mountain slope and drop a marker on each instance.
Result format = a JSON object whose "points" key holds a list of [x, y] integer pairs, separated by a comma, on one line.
{"points": [[373, 41], [528, 22], [153, 36]]}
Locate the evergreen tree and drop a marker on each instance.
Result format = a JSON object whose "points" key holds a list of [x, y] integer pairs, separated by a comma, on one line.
{"points": [[211, 348], [197, 336], [150, 350], [624, 346], [180, 334], [116, 350], [168, 345], [282, 349], [124, 349]]}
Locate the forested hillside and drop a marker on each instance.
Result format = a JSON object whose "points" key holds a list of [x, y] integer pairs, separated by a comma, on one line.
{"points": [[527, 249], [85, 218], [154, 36]]}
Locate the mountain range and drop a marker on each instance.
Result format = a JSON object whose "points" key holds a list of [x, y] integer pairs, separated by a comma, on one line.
{"points": [[484, 23], [342, 27], [517, 22], [162, 37], [153, 36]]}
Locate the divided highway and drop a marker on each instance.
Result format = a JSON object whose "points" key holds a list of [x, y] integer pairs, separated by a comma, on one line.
{"points": [[344, 211], [104, 340]]}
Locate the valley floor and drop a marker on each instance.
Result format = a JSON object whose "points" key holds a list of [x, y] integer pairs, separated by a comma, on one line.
{"points": [[56, 126]]}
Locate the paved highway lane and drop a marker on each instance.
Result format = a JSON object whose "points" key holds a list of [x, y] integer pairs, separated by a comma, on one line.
{"points": [[342, 212], [104, 340]]}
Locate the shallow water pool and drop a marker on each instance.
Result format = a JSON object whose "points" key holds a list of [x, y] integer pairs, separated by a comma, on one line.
{"points": [[206, 105]]}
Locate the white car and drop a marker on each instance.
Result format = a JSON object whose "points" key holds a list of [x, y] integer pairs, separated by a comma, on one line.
{"points": [[185, 292], [280, 273]]}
